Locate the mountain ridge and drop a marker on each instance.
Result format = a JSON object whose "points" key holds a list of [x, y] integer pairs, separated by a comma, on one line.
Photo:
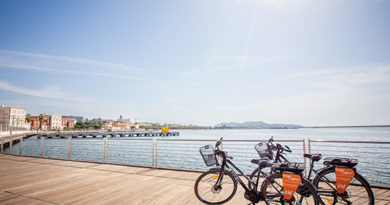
{"points": [[255, 125]]}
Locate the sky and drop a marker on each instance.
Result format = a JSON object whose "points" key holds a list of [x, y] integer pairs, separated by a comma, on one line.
{"points": [[199, 62]]}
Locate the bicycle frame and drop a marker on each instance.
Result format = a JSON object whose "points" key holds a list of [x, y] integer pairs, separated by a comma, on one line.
{"points": [[226, 162]]}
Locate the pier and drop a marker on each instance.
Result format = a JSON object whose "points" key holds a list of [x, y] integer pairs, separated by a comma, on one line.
{"points": [[29, 180], [108, 134], [8, 141]]}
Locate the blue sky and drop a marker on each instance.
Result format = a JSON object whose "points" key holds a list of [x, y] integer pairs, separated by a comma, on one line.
{"points": [[199, 62]]}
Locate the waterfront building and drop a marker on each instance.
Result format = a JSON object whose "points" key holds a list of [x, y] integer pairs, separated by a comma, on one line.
{"points": [[71, 123], [55, 122], [11, 117], [107, 126], [64, 122], [68, 122], [40, 122], [47, 122], [119, 126], [123, 120]]}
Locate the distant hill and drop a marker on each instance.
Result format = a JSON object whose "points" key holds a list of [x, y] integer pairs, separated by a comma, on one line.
{"points": [[255, 125]]}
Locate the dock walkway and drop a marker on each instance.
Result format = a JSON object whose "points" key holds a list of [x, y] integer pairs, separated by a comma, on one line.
{"points": [[27, 180]]}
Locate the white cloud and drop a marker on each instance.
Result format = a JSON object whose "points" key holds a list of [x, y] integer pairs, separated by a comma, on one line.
{"points": [[331, 97], [52, 92], [71, 59], [79, 71], [65, 64], [368, 77], [171, 99], [284, 4]]}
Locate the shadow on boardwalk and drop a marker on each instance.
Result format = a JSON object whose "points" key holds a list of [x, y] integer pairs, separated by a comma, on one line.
{"points": [[25, 180]]}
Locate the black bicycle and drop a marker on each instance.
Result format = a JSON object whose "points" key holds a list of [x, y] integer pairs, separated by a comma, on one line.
{"points": [[266, 150], [353, 190], [219, 184]]}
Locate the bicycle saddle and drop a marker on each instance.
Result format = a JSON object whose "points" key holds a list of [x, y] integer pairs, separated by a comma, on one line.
{"points": [[263, 162], [314, 157]]}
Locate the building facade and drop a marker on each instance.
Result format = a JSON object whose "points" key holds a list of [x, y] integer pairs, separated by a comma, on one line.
{"points": [[47, 122], [68, 122], [38, 122], [55, 122], [11, 117]]}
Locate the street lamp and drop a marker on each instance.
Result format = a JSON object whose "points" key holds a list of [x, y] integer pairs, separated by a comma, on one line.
{"points": [[13, 117]]}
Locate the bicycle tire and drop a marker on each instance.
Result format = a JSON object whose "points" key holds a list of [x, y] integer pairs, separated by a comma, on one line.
{"points": [[305, 192], [329, 173], [210, 179]]}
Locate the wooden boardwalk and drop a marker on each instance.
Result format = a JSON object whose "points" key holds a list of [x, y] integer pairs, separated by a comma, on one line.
{"points": [[26, 180]]}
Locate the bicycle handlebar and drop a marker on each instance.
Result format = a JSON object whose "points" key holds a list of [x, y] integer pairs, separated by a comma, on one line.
{"points": [[218, 143], [284, 148], [219, 151]]}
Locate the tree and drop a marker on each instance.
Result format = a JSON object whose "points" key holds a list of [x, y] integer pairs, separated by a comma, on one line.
{"points": [[41, 119], [28, 118], [79, 124], [97, 124]]}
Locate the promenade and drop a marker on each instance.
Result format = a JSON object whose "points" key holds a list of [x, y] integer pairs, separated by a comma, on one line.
{"points": [[26, 180]]}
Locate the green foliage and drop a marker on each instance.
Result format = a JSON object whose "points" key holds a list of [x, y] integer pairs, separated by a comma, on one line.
{"points": [[28, 118], [94, 123], [147, 127], [41, 119]]}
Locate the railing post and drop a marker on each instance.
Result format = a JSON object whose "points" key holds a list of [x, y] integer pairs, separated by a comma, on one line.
{"points": [[152, 153], [155, 154], [105, 150], [42, 146], [69, 148], [304, 152], [309, 148], [21, 146], [10, 146]]}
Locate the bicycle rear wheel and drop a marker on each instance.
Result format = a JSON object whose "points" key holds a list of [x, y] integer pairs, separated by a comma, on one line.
{"points": [[209, 191], [358, 191], [272, 188]]}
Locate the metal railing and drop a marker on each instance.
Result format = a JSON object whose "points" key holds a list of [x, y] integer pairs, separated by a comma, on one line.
{"points": [[184, 153]]}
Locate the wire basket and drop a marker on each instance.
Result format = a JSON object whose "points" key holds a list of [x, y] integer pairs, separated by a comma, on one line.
{"points": [[208, 155], [264, 150]]}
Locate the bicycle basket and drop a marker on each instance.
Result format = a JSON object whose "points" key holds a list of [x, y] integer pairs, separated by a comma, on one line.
{"points": [[264, 150], [208, 155]]}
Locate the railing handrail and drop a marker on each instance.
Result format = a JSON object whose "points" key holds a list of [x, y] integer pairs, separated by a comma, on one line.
{"points": [[342, 141], [203, 140]]}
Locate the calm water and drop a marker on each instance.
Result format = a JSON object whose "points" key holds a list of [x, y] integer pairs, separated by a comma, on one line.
{"points": [[373, 158]]}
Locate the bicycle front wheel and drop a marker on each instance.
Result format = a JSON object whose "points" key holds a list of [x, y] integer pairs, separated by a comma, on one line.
{"points": [[210, 190], [272, 188], [358, 191]]}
